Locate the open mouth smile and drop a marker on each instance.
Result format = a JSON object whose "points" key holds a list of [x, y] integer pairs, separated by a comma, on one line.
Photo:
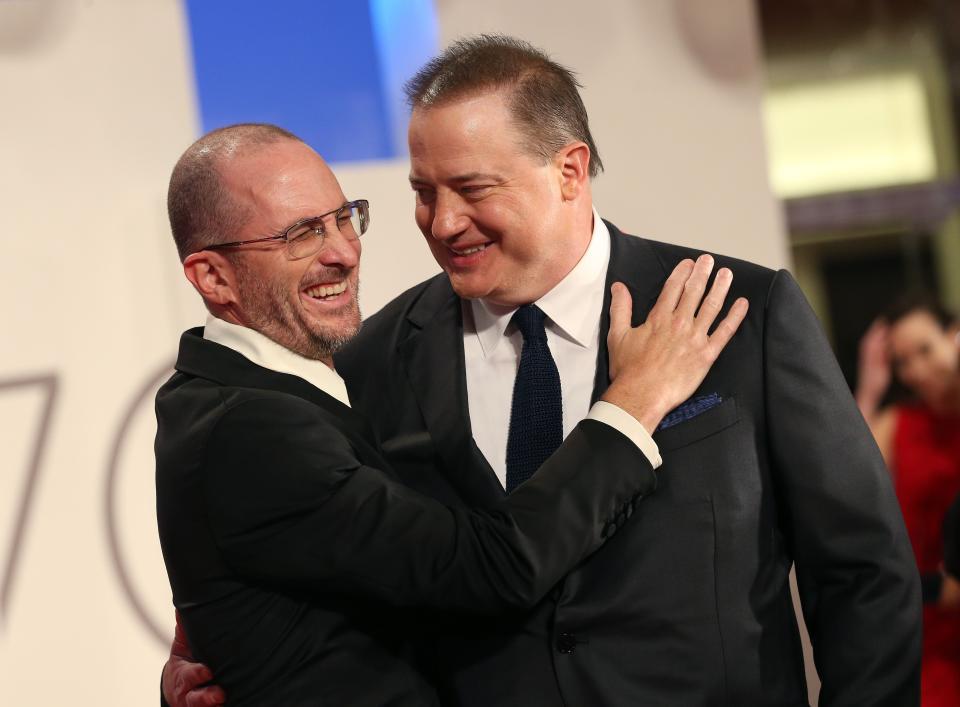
{"points": [[326, 291], [469, 251]]}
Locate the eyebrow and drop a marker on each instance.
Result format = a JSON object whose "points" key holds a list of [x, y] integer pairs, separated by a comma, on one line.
{"points": [[469, 177], [310, 217]]}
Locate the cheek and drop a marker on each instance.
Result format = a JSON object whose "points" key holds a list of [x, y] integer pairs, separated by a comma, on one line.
{"points": [[947, 359], [436, 249], [521, 253], [423, 215], [910, 374], [927, 370], [532, 246]]}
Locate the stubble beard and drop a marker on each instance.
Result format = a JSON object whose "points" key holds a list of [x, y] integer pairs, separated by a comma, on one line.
{"points": [[271, 312]]}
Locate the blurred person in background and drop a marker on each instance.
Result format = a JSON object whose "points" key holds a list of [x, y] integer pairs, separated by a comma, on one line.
{"points": [[918, 341]]}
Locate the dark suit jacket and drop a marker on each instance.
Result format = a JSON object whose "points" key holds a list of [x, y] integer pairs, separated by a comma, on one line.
{"points": [[690, 604], [286, 536]]}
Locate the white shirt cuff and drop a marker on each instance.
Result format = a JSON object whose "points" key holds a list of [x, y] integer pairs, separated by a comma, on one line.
{"points": [[627, 424]]}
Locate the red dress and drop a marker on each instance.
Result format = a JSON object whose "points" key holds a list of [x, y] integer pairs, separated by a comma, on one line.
{"points": [[926, 463]]}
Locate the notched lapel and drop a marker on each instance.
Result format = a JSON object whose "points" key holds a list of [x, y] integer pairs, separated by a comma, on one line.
{"points": [[433, 358]]}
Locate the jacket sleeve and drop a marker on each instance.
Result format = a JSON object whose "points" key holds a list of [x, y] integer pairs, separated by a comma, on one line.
{"points": [[856, 574], [291, 505]]}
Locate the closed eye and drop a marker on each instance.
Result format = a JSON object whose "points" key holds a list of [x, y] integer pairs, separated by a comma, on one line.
{"points": [[425, 195], [473, 188]]}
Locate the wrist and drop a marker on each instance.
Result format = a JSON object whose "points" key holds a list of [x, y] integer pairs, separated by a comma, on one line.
{"points": [[646, 409]]}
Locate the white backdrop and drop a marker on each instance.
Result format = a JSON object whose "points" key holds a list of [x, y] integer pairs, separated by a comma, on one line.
{"points": [[97, 104]]}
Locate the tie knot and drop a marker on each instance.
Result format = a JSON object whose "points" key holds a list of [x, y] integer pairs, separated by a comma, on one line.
{"points": [[529, 319]]}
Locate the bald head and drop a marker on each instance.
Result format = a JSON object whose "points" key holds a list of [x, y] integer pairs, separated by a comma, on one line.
{"points": [[202, 209]]}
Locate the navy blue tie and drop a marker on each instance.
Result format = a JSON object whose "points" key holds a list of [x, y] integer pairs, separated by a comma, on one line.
{"points": [[536, 415]]}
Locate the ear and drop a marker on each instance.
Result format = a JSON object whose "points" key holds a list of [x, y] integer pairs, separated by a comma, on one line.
{"points": [[573, 162], [213, 276]]}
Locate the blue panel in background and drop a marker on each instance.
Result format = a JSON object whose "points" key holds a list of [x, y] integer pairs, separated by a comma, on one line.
{"points": [[406, 33], [328, 71]]}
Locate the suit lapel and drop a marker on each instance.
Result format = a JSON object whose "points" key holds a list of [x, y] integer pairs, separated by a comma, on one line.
{"points": [[433, 360], [634, 263], [207, 359]]}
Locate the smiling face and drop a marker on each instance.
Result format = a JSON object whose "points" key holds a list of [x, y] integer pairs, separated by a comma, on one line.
{"points": [[503, 225], [308, 305], [925, 356]]}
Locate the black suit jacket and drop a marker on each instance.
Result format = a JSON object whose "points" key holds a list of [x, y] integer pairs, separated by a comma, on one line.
{"points": [[289, 544], [690, 604]]}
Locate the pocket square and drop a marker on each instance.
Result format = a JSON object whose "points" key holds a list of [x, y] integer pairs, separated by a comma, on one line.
{"points": [[689, 410]]}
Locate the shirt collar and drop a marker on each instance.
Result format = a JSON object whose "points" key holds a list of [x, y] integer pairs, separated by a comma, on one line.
{"points": [[571, 305], [263, 351]]}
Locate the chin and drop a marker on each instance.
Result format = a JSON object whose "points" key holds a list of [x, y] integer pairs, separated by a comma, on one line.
{"points": [[466, 289], [342, 332]]}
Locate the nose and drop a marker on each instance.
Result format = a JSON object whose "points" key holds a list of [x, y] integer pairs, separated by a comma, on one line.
{"points": [[449, 219], [338, 250]]}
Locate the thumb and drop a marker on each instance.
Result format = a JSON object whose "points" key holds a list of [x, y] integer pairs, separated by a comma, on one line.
{"points": [[621, 310]]}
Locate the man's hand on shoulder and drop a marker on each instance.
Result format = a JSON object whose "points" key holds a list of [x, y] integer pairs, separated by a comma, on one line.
{"points": [[659, 364], [184, 681]]}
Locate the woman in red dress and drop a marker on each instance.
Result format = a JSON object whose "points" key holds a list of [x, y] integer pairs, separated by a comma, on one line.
{"points": [[918, 342]]}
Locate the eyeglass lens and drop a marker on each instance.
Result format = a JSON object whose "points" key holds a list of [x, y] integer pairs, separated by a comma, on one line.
{"points": [[307, 238]]}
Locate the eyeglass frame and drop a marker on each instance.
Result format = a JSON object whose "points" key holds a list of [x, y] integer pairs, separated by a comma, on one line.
{"points": [[286, 232]]}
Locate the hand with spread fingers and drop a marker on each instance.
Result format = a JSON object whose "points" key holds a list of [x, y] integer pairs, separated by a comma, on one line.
{"points": [[656, 366]]}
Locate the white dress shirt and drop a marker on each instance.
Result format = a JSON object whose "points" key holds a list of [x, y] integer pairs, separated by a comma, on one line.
{"points": [[492, 348], [266, 352]]}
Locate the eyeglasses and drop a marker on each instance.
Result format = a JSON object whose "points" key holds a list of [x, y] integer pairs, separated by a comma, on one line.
{"points": [[305, 237]]}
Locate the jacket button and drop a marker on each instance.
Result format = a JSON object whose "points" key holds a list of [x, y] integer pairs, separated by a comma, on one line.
{"points": [[566, 643]]}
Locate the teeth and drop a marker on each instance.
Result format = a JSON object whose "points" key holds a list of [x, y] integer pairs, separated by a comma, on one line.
{"points": [[468, 251], [320, 291]]}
